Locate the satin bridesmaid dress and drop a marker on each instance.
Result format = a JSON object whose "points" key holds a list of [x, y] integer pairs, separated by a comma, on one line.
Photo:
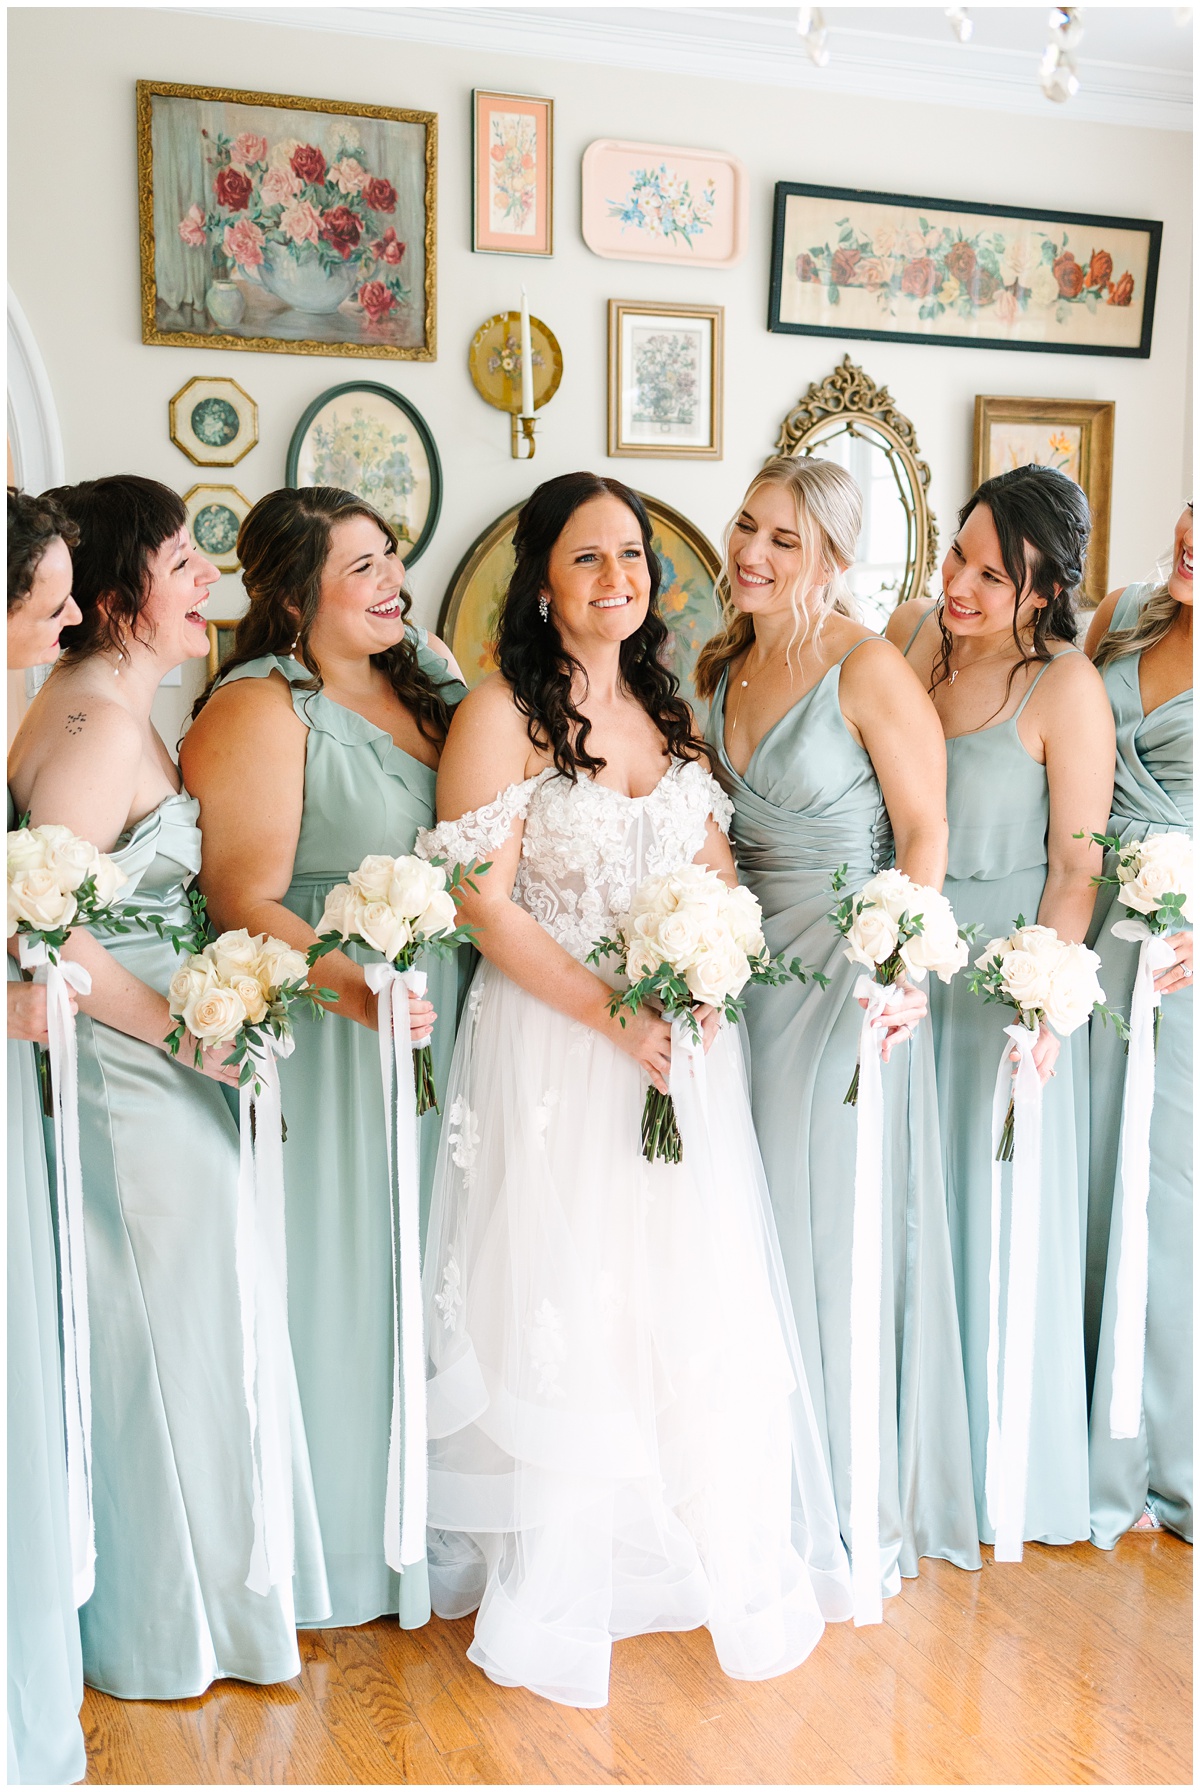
{"points": [[362, 794], [808, 802], [171, 1457], [45, 1669], [998, 806], [1153, 795]]}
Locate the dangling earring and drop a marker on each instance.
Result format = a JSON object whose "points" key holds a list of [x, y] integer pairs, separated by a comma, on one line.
{"points": [[117, 668], [544, 607]]}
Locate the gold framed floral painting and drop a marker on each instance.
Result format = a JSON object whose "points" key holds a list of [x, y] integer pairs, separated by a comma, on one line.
{"points": [[513, 160], [1073, 435], [286, 225]]}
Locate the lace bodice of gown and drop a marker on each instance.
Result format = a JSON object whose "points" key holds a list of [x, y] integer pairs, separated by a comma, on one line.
{"points": [[586, 847]]}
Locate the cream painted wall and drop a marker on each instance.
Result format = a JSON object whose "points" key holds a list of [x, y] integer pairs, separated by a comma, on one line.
{"points": [[73, 263]]}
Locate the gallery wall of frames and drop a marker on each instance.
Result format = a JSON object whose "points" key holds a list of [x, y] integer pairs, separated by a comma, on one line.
{"points": [[439, 275]]}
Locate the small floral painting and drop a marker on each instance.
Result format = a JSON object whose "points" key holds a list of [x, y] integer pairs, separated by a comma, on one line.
{"points": [[653, 202], [213, 421], [863, 264], [368, 440], [1030, 444], [215, 513], [665, 379], [514, 171], [1072, 435], [661, 202]]}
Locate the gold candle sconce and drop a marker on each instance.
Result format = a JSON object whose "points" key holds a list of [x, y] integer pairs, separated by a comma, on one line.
{"points": [[494, 361]]}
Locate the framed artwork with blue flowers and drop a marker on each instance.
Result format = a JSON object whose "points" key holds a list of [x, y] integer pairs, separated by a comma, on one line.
{"points": [[214, 422]]}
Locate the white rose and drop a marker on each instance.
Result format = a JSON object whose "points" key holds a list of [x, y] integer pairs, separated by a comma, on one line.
{"points": [[234, 954], [340, 913], [280, 963], [1025, 979], [109, 878], [872, 939], [642, 959], [893, 892], [413, 885], [252, 996], [1036, 939], [38, 899], [742, 914], [937, 947], [26, 851], [1074, 988], [1160, 865], [190, 980], [1044, 286], [718, 973], [679, 937], [71, 859], [372, 877], [214, 1015], [438, 916], [382, 928], [650, 898]]}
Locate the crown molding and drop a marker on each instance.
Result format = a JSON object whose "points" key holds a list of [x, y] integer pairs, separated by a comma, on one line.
{"points": [[728, 45]]}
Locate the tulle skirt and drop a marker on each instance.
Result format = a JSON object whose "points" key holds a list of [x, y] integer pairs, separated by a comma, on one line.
{"points": [[622, 1439]]}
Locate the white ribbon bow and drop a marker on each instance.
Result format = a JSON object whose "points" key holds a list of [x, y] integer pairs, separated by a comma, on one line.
{"points": [[866, 1300], [72, 1259], [1007, 1472], [260, 1245], [406, 1499], [1129, 1332]]}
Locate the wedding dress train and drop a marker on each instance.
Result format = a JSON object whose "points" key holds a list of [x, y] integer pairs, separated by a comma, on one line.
{"points": [[621, 1435]]}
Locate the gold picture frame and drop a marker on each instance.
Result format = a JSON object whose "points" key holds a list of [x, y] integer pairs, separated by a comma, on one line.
{"points": [[220, 645], [1073, 434], [213, 421], [665, 380], [224, 301], [520, 126], [215, 514]]}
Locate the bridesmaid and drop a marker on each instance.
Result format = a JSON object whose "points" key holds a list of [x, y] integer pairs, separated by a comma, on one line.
{"points": [[1030, 752], [45, 1670], [819, 734], [340, 705], [170, 1433], [1141, 639]]}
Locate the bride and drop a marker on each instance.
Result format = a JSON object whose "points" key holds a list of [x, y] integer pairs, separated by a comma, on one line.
{"points": [[621, 1435]]}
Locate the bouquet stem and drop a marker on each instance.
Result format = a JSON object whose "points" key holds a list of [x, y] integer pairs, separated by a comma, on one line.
{"points": [[1004, 1152], [427, 1098], [850, 1099], [660, 1131]]}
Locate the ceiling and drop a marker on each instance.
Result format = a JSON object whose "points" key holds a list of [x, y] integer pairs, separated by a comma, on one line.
{"points": [[1135, 62]]}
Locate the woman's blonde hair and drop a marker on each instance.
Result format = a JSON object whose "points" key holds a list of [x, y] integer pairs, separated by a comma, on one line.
{"points": [[828, 522], [1155, 619]]}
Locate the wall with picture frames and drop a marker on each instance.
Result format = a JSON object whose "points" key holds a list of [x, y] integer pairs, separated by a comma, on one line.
{"points": [[81, 294]]}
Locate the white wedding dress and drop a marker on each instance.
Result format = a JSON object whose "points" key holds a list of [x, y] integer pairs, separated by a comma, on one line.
{"points": [[621, 1435]]}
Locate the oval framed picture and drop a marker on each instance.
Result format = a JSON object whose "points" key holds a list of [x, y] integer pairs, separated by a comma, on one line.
{"points": [[687, 598], [367, 439], [215, 513], [213, 422]]}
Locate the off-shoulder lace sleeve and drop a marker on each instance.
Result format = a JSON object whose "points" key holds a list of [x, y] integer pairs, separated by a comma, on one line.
{"points": [[480, 831]]}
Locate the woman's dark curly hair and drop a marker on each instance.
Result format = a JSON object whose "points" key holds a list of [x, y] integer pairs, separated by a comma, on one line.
{"points": [[1043, 523], [122, 521], [33, 523], [539, 668], [283, 546]]}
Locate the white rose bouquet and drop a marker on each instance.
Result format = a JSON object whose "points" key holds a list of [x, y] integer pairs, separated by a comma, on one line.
{"points": [[239, 992], [688, 939], [1153, 877], [399, 908], [895, 927], [57, 881], [1044, 979]]}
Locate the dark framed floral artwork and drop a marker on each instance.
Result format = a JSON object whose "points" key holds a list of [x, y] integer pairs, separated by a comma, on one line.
{"points": [[888, 267], [287, 225], [513, 137], [368, 439]]}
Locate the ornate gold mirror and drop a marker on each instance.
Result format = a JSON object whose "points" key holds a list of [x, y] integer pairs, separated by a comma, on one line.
{"points": [[849, 419]]}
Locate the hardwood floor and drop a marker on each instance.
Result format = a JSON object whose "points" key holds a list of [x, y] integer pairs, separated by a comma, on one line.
{"points": [[1074, 1666]]}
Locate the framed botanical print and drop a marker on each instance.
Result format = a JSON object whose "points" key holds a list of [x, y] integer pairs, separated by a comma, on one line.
{"points": [[665, 380], [213, 422], [215, 513], [285, 225], [368, 439], [961, 274], [513, 160], [1074, 435]]}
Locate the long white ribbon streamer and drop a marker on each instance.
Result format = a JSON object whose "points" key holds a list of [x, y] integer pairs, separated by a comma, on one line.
{"points": [[687, 1085], [406, 1499], [1133, 1264], [260, 1245], [866, 1299], [72, 1259], [1007, 1471]]}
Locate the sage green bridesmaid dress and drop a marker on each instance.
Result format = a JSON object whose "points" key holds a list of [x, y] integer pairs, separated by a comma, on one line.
{"points": [[998, 807], [45, 1670], [1153, 795], [171, 1461], [362, 794], [808, 802]]}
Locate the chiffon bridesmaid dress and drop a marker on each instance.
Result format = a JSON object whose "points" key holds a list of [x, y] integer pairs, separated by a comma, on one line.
{"points": [[998, 806], [808, 802], [1153, 795], [171, 1454], [362, 794], [45, 1670]]}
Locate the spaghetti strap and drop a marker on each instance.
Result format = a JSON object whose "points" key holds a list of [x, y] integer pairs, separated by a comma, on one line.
{"points": [[925, 618], [1033, 683], [857, 644]]}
